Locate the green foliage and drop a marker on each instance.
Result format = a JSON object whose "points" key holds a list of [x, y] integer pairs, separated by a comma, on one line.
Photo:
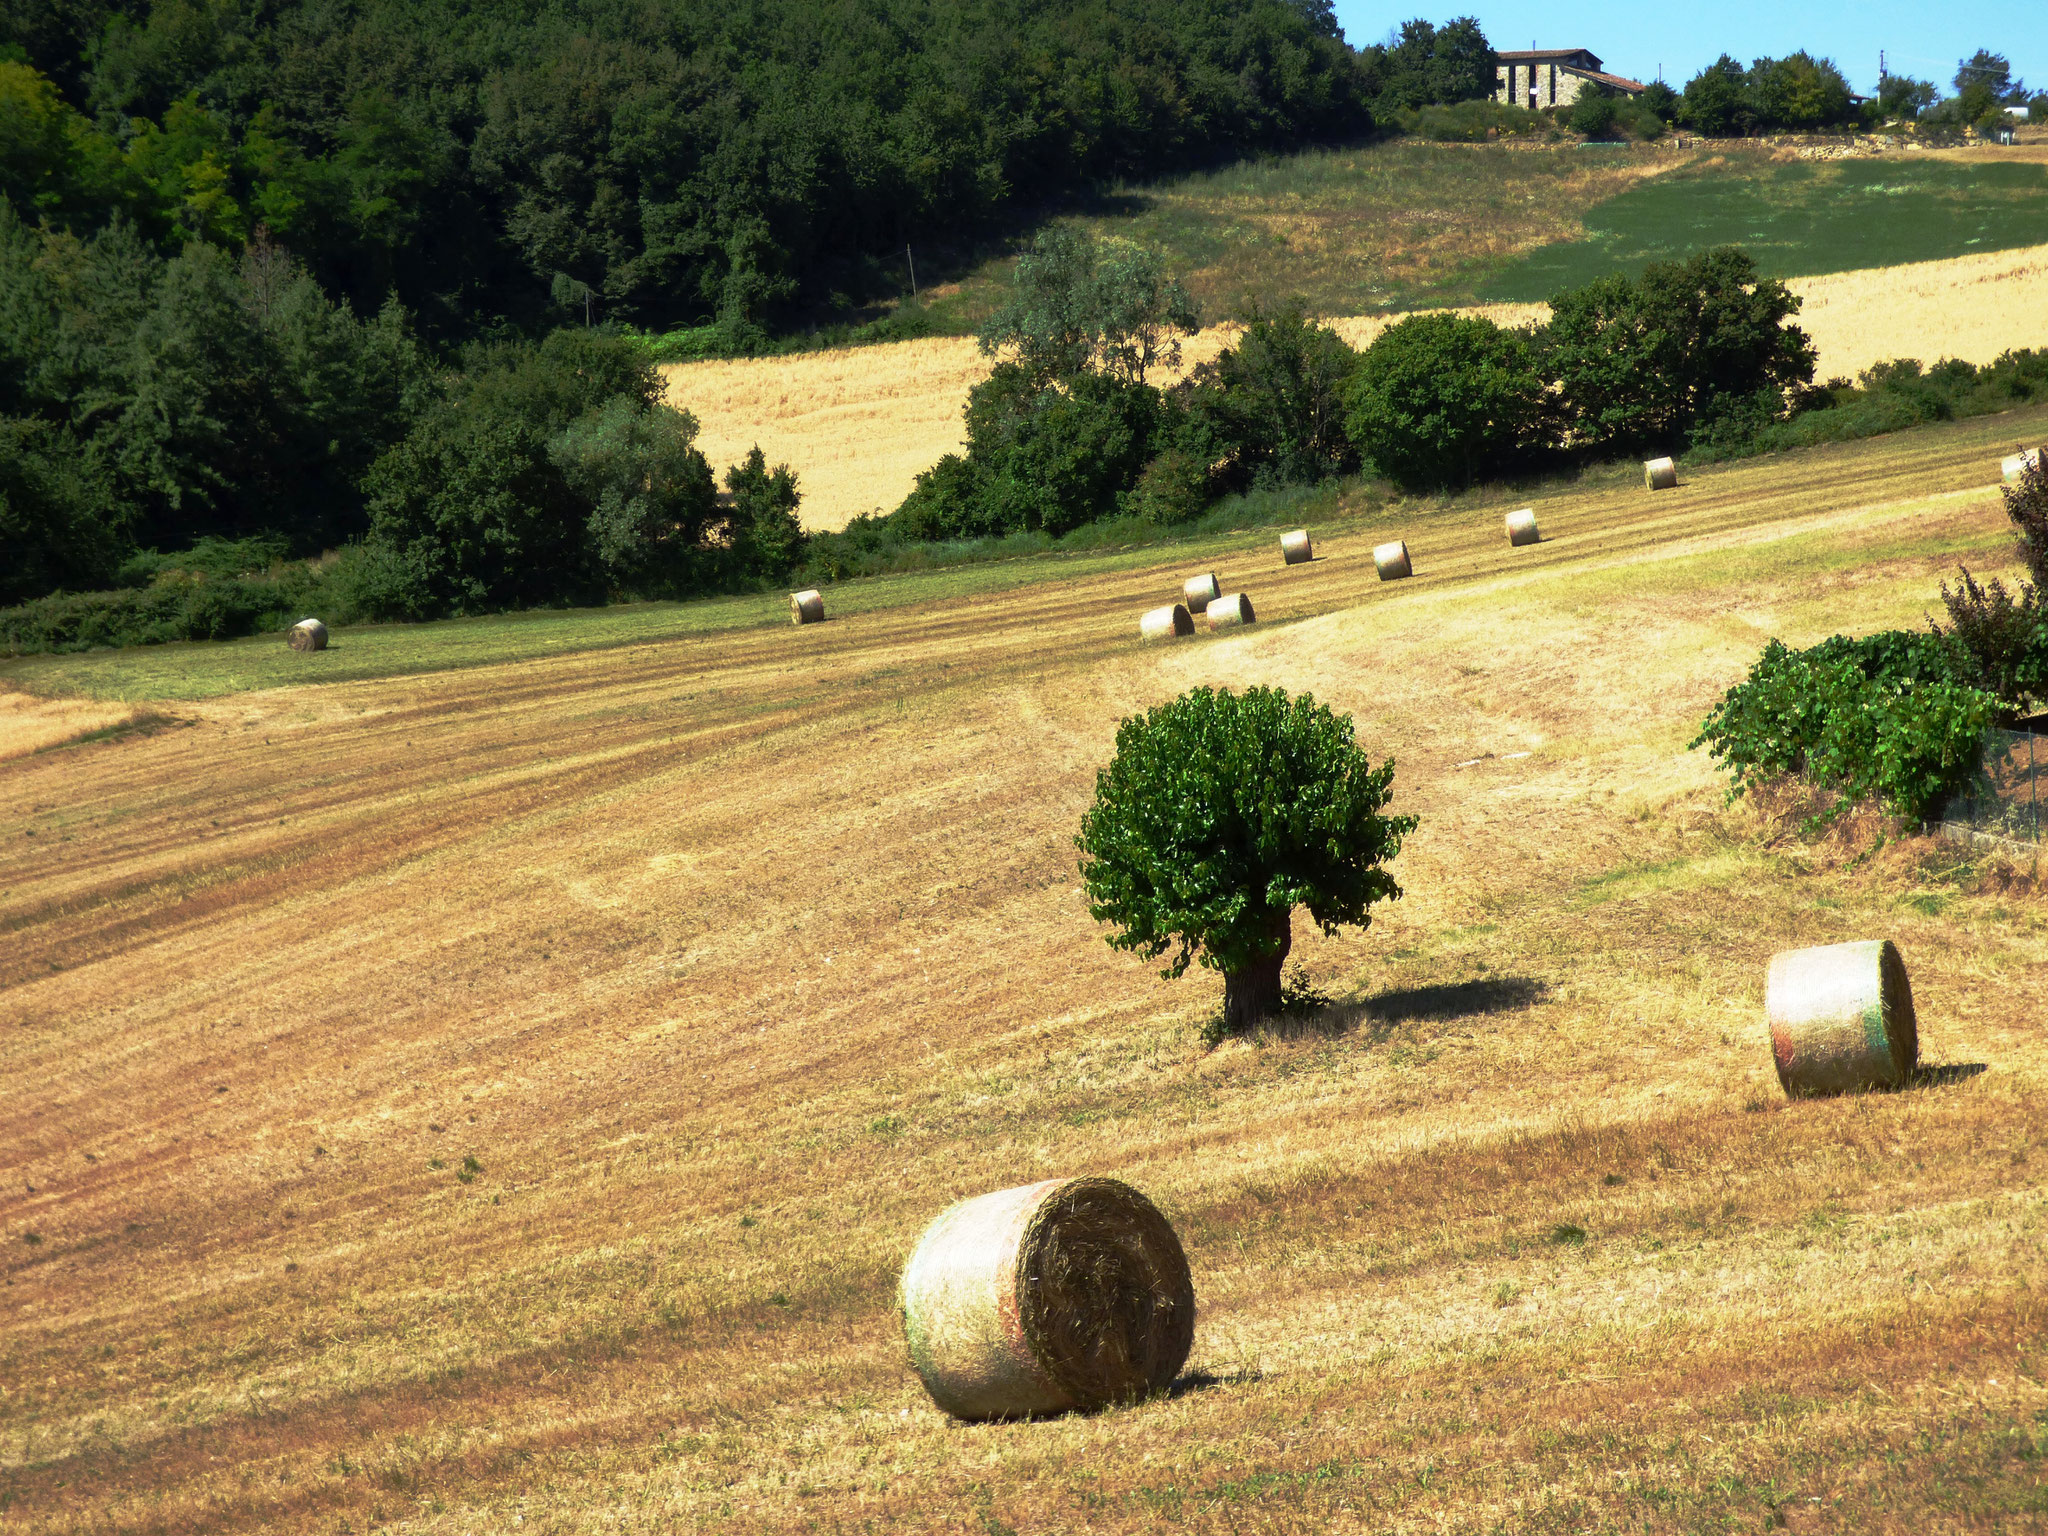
{"points": [[1425, 65], [1221, 813], [58, 524], [1881, 720], [650, 493], [1174, 489], [1592, 114], [1644, 364], [1473, 122], [218, 590], [764, 537], [1080, 305], [1270, 408], [1903, 98], [1439, 400], [1797, 92]]}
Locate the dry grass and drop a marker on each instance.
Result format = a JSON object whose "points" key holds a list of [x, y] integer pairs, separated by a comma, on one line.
{"points": [[859, 425], [506, 1095], [29, 724]]}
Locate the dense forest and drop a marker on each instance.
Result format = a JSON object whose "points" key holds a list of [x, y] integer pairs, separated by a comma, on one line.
{"points": [[648, 162]]}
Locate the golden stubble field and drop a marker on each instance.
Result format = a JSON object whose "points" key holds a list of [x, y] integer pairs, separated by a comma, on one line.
{"points": [[501, 1099], [859, 425]]}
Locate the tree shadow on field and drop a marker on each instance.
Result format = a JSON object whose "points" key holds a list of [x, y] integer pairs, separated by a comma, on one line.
{"points": [[1376, 1018]]}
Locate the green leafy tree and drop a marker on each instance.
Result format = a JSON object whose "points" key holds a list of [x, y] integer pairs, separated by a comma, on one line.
{"points": [[1219, 815], [59, 525], [650, 493], [1904, 98], [1425, 65], [1271, 406], [1644, 363], [1716, 100], [1592, 114], [1993, 72], [1441, 399], [1800, 92], [1079, 305], [766, 539]]}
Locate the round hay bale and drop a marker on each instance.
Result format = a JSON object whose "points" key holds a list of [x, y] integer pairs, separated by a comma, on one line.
{"points": [[2019, 463], [307, 635], [1392, 562], [1294, 547], [1201, 591], [1841, 1018], [1071, 1293], [1231, 610], [1166, 623], [1522, 528], [807, 606], [1660, 474]]}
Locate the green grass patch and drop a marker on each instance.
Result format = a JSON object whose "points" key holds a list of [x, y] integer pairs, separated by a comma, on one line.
{"points": [[1794, 220]]}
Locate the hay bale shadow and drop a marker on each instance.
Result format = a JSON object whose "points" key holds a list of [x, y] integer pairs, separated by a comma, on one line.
{"points": [[1946, 1075], [1203, 1381]]}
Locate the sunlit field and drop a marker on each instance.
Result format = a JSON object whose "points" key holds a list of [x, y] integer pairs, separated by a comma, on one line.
{"points": [[500, 1095], [860, 425]]}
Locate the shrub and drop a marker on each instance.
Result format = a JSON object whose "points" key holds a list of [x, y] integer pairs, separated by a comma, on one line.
{"points": [[1999, 638], [1271, 407], [1175, 488], [764, 538], [1440, 399], [649, 490], [1592, 114], [1221, 813], [1643, 363], [1882, 719]]}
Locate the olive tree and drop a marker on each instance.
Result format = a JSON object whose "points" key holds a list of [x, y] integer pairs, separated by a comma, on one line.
{"points": [[1219, 815]]}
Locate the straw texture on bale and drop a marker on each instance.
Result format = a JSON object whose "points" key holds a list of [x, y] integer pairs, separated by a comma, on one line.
{"points": [[1166, 623], [1230, 610], [1200, 591], [2018, 464], [1294, 547], [307, 635], [807, 606], [1071, 1293], [1522, 527], [1660, 474], [1392, 562], [1841, 1018]]}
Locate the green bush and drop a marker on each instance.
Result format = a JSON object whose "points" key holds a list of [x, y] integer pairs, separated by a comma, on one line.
{"points": [[1270, 408], [1220, 814], [1440, 400], [59, 525], [218, 591], [1592, 114], [1881, 720], [650, 494]]}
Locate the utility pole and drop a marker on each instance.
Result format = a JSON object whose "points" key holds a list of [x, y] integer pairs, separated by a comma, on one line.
{"points": [[913, 273]]}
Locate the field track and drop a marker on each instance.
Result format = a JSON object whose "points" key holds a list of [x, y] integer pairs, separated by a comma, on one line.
{"points": [[728, 960]]}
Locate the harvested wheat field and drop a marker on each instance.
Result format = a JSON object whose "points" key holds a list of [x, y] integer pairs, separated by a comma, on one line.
{"points": [[504, 1097], [860, 425]]}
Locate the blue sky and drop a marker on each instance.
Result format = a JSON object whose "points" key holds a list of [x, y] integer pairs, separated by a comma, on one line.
{"points": [[1919, 38]]}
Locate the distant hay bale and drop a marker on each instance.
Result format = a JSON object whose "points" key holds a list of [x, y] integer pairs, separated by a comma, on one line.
{"points": [[1201, 591], [1294, 547], [807, 606], [1522, 527], [1230, 610], [307, 635], [2019, 463], [1392, 562], [1841, 1018], [1071, 1293], [1166, 623], [1660, 474]]}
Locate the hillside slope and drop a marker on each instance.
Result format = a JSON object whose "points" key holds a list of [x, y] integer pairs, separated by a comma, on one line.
{"points": [[504, 1096]]}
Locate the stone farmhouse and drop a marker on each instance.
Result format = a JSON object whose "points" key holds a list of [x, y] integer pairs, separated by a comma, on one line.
{"points": [[1553, 77]]}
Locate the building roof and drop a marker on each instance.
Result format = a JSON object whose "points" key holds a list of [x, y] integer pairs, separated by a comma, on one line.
{"points": [[1612, 82], [1546, 55]]}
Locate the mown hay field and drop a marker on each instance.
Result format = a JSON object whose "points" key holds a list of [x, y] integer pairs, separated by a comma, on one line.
{"points": [[859, 425], [502, 1097]]}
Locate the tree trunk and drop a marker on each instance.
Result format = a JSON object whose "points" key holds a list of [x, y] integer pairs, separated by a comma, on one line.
{"points": [[1253, 993]]}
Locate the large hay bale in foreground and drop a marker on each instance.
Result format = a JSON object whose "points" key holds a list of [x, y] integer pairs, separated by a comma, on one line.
{"points": [[1295, 548], [1071, 1293], [1166, 623], [307, 635], [1392, 562], [1522, 527], [1200, 591], [1660, 474], [807, 606], [2019, 464], [1230, 610], [1841, 1018]]}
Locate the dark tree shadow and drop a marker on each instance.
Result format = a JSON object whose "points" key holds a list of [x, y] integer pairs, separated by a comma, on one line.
{"points": [[1945, 1075], [1456, 999]]}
